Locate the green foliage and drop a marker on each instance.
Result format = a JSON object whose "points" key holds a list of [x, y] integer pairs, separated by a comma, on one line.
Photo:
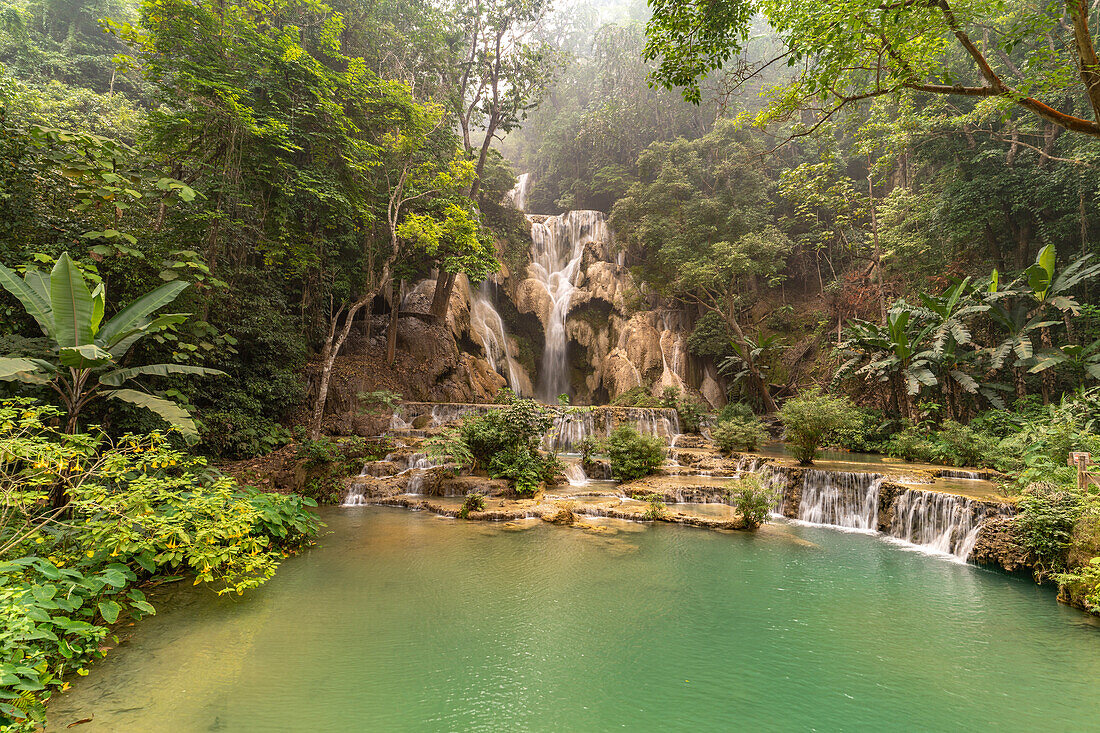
{"points": [[137, 509], [1044, 524], [739, 433], [474, 502], [670, 396], [656, 509], [811, 418], [636, 397], [86, 348], [693, 414], [751, 499], [735, 410], [632, 454], [450, 447], [505, 442]]}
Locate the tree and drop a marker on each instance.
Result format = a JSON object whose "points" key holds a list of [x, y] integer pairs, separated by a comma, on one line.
{"points": [[88, 352], [697, 220], [844, 52], [811, 418], [501, 72]]}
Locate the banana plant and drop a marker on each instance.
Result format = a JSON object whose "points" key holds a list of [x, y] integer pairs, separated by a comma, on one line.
{"points": [[1083, 360], [87, 352]]}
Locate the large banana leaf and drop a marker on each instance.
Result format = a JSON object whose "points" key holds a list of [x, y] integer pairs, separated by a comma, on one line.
{"points": [[71, 303], [99, 303], [119, 376], [37, 306], [124, 341], [84, 357], [133, 315], [12, 368], [172, 413]]}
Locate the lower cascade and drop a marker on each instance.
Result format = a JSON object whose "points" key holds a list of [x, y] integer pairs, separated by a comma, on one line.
{"points": [[840, 499], [938, 522]]}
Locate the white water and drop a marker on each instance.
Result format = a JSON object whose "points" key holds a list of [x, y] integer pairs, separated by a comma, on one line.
{"points": [[557, 246], [936, 522], [518, 195], [957, 473], [486, 322], [840, 499]]}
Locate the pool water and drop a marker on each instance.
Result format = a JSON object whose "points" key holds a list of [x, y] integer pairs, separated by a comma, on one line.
{"points": [[404, 621]]}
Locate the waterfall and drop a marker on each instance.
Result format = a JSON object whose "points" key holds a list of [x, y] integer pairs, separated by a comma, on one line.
{"points": [[574, 473], [957, 473], [518, 195], [486, 322], [938, 522], [841, 499], [557, 246]]}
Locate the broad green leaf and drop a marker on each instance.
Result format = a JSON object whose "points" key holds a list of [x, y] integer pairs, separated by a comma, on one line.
{"points": [[84, 357], [132, 315], [99, 302], [172, 413], [35, 305], [109, 610], [71, 303], [11, 367], [118, 376]]}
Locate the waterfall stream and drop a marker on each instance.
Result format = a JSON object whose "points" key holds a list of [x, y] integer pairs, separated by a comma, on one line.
{"points": [[486, 322], [840, 499], [557, 246], [937, 522]]}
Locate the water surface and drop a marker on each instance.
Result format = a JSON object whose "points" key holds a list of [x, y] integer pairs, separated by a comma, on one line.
{"points": [[403, 621]]}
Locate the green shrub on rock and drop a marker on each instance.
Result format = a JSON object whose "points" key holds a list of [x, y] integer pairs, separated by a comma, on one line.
{"points": [[739, 433], [632, 454], [811, 418], [751, 499], [474, 502]]}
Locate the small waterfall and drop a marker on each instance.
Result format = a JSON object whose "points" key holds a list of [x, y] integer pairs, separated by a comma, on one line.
{"points": [[570, 429], [574, 473], [557, 246], [486, 322], [937, 522], [958, 473], [518, 195], [840, 499]]}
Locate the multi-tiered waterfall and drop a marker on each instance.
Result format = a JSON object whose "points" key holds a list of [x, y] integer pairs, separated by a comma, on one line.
{"points": [[557, 246]]}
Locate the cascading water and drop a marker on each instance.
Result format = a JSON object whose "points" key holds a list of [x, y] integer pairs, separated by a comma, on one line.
{"points": [[557, 246], [840, 499], [486, 322], [937, 522], [960, 474], [518, 195]]}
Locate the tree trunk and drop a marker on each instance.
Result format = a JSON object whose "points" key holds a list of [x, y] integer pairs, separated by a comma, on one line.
{"points": [[331, 350], [441, 299], [391, 330], [1047, 376]]}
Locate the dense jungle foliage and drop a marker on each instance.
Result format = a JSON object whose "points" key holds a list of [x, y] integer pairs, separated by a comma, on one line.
{"points": [[880, 219]]}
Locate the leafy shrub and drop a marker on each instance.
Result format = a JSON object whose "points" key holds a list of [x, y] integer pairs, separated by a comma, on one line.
{"points": [[237, 434], [636, 397], [670, 396], [811, 418], [1045, 523], [693, 414], [1082, 584], [328, 461], [449, 447], [632, 454], [912, 443], [136, 509], [867, 434], [960, 445], [656, 509], [506, 442], [751, 499], [739, 433], [733, 410], [474, 502]]}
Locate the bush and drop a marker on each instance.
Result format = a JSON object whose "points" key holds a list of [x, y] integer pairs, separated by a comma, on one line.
{"points": [[656, 510], [474, 502], [636, 397], [136, 509], [632, 454], [739, 433], [912, 443], [811, 418], [1045, 524], [735, 410], [506, 442], [693, 414], [752, 501], [670, 395], [868, 434]]}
